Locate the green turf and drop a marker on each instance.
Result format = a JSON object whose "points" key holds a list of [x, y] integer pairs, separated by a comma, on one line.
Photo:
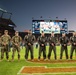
{"points": [[12, 68]]}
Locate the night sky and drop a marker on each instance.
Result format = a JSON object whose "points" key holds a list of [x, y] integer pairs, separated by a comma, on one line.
{"points": [[24, 10]]}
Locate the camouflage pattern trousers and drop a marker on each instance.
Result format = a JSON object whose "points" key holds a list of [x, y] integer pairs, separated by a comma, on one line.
{"points": [[14, 50], [4, 49]]}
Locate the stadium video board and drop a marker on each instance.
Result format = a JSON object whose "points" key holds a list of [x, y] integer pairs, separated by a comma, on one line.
{"points": [[58, 26]]}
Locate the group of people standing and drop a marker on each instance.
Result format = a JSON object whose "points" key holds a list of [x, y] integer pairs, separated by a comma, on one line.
{"points": [[5, 41], [30, 39], [64, 41]]}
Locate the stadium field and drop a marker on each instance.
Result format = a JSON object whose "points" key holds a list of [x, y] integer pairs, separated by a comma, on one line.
{"points": [[13, 68]]}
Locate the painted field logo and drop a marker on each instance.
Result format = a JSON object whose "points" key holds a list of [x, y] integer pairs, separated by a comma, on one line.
{"points": [[45, 70]]}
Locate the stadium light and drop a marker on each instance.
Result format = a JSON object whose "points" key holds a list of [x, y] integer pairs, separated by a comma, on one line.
{"points": [[56, 17], [41, 16], [49, 17], [32, 18], [64, 18]]}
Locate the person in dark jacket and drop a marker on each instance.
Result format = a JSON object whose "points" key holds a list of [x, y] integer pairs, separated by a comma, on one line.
{"points": [[73, 44], [64, 41], [29, 41], [52, 45], [42, 42]]}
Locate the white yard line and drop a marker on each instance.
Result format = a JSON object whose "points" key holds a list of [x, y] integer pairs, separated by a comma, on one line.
{"points": [[21, 70]]}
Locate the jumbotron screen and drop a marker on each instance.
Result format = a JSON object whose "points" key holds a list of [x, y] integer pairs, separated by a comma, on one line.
{"points": [[47, 26]]}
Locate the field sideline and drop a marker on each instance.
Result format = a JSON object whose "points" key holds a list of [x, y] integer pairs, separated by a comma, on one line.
{"points": [[12, 68]]}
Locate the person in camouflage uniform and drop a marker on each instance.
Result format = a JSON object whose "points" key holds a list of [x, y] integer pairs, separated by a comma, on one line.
{"points": [[64, 41], [5, 40], [73, 44], [52, 45], [42, 42], [29, 41], [16, 40]]}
